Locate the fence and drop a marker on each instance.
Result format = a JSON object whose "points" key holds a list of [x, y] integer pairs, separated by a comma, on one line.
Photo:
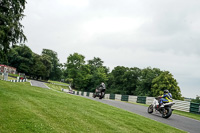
{"points": [[179, 105]]}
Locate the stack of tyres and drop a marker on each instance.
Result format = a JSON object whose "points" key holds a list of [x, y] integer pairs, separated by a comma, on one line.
{"points": [[195, 108], [141, 99], [124, 97]]}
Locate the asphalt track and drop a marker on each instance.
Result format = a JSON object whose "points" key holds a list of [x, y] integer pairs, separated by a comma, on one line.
{"points": [[38, 84], [177, 121]]}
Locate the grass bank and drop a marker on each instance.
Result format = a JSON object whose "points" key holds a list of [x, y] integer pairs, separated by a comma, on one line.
{"points": [[24, 108]]}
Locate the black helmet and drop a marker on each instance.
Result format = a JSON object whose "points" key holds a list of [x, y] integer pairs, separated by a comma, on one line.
{"points": [[166, 91]]}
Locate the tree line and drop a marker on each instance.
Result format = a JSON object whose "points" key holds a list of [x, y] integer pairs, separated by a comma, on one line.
{"points": [[82, 75], [87, 75]]}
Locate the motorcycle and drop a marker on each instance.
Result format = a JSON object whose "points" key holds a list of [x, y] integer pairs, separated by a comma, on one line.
{"points": [[97, 93], [166, 110]]}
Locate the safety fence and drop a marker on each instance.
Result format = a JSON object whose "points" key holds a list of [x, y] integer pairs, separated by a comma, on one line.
{"points": [[19, 80], [179, 105]]}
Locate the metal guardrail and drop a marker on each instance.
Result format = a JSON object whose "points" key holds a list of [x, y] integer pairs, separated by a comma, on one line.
{"points": [[179, 105]]}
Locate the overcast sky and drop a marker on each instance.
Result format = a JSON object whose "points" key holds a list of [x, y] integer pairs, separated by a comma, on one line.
{"points": [[133, 33]]}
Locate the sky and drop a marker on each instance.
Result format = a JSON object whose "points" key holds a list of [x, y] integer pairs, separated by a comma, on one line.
{"points": [[131, 33]]}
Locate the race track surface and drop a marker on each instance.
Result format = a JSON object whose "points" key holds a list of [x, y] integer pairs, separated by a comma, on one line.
{"points": [[177, 121], [38, 84]]}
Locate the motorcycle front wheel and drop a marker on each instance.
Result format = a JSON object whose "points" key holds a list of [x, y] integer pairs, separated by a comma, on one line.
{"points": [[167, 112], [150, 109]]}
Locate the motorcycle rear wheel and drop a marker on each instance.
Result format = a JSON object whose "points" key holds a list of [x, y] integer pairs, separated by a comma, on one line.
{"points": [[94, 95], [167, 112], [150, 109]]}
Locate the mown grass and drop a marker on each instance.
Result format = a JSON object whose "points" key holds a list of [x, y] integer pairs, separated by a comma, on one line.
{"points": [[187, 114], [57, 82], [25, 108], [56, 87], [11, 78]]}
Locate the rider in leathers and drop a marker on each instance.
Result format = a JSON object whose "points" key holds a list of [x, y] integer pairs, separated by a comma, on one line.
{"points": [[165, 98], [103, 88]]}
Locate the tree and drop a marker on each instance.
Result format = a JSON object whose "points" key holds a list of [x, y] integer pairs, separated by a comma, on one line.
{"points": [[38, 69], [74, 69], [116, 81], [131, 79], [55, 73], [11, 32], [95, 63], [99, 73], [197, 100], [21, 58], [166, 81], [46, 60], [145, 81]]}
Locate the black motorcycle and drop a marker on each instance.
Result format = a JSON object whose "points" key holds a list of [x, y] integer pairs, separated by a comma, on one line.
{"points": [[98, 93]]}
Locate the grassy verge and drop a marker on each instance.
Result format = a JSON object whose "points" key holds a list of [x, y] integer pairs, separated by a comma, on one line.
{"points": [[56, 87], [11, 78], [25, 108], [187, 114], [57, 82]]}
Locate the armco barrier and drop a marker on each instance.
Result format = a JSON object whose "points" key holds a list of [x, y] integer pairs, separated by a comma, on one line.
{"points": [[124, 97], [195, 108], [149, 100], [141, 99], [91, 94], [132, 99], [181, 105], [118, 97], [107, 96], [112, 96]]}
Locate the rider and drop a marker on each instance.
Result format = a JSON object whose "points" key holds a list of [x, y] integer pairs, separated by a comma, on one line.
{"points": [[103, 88], [165, 97]]}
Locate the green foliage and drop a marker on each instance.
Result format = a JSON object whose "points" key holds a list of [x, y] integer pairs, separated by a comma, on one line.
{"points": [[165, 81], [52, 62], [11, 13], [197, 100], [21, 58], [99, 73], [85, 76], [145, 81], [38, 69]]}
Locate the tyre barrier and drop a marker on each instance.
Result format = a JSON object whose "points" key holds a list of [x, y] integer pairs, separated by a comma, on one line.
{"points": [[124, 98], [141, 99], [195, 108], [20, 80], [112, 96], [184, 106]]}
